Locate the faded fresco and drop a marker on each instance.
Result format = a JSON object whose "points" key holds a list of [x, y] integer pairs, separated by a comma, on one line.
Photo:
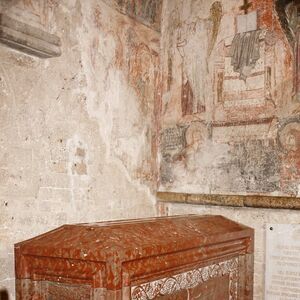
{"points": [[230, 114], [148, 12]]}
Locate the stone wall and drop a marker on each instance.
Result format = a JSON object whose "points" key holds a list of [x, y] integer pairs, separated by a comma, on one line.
{"points": [[230, 126], [76, 132]]}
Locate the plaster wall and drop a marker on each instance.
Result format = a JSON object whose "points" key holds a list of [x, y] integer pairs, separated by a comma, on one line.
{"points": [[230, 106], [219, 134], [77, 141]]}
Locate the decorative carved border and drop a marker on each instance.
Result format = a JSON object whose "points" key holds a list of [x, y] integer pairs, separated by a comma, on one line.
{"points": [[189, 280], [230, 200]]}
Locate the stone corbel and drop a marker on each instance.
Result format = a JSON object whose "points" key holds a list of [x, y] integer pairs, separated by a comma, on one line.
{"points": [[28, 39]]}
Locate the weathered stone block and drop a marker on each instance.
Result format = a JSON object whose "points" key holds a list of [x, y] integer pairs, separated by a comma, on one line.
{"points": [[28, 39]]}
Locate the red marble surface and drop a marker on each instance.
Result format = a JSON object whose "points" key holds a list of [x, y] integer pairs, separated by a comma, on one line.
{"points": [[105, 260]]}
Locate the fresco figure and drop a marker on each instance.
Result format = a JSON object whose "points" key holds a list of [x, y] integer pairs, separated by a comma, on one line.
{"points": [[293, 13], [200, 35], [289, 16]]}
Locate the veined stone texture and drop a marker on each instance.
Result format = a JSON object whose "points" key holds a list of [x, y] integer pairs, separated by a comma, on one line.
{"points": [[77, 140]]}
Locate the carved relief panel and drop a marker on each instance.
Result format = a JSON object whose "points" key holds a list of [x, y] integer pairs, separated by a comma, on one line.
{"points": [[195, 284]]}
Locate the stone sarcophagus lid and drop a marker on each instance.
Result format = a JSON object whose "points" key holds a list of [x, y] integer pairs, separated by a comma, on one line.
{"points": [[180, 257]]}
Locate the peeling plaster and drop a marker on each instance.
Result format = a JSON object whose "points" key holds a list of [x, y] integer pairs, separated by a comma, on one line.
{"points": [[76, 137]]}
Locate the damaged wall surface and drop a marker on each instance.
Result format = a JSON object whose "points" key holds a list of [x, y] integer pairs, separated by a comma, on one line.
{"points": [[230, 107], [76, 132], [230, 113]]}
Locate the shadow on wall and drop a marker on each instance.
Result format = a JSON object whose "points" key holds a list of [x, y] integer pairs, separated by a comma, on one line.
{"points": [[3, 295]]}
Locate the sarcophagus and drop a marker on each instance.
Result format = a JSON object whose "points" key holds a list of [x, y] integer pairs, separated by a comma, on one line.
{"points": [[181, 257]]}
